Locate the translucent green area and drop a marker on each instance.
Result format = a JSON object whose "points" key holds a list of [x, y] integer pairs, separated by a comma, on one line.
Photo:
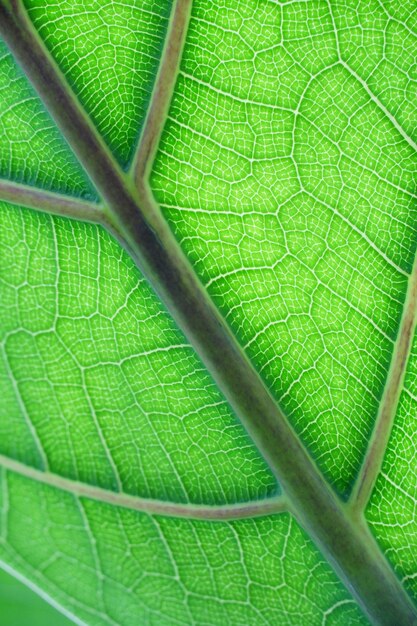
{"points": [[124, 568], [378, 40], [32, 150], [293, 193], [288, 172], [19, 606], [98, 383], [109, 52], [392, 511]]}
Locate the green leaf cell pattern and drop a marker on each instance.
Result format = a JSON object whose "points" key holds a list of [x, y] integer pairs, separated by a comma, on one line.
{"points": [[294, 195], [281, 147], [109, 52], [32, 150]]}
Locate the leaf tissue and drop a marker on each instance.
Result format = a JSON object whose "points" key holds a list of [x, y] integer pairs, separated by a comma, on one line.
{"points": [[208, 293]]}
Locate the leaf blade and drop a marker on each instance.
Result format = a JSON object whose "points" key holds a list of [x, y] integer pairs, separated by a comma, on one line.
{"points": [[312, 57], [216, 591]]}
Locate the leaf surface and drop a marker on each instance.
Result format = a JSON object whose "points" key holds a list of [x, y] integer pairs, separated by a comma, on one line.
{"points": [[286, 170]]}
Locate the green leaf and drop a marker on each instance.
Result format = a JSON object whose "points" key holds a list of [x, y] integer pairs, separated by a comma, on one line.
{"points": [[20, 606], [207, 375]]}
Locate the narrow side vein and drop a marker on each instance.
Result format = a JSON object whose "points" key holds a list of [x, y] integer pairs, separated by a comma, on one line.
{"points": [[374, 456], [50, 202], [163, 89], [380, 105], [225, 512]]}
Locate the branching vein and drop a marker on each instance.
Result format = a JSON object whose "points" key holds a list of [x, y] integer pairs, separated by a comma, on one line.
{"points": [[163, 90], [388, 407], [225, 512], [50, 202]]}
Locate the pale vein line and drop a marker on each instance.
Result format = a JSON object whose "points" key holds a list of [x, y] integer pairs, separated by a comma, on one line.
{"points": [[5, 506], [223, 512], [380, 105], [327, 613], [95, 555], [24, 564], [344, 154], [41, 592], [388, 407], [30, 425], [398, 487], [163, 89], [334, 208], [365, 86], [50, 202], [231, 96], [97, 425]]}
